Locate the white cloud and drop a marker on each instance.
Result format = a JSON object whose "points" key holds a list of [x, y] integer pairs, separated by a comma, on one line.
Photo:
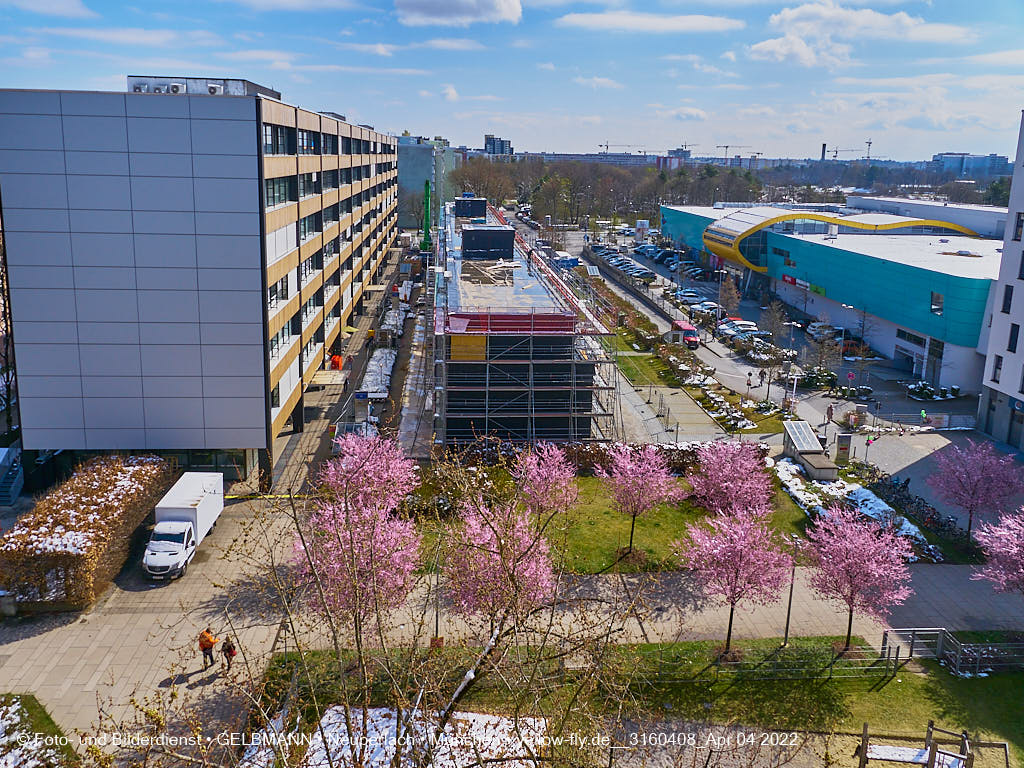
{"points": [[135, 36], [591, 119], [457, 13], [451, 44], [698, 64], [521, 43], [598, 82], [449, 92], [485, 97], [729, 55], [811, 32], [259, 55], [1013, 58], [72, 9], [683, 113], [549, 66], [630, 21], [32, 56], [375, 49]]}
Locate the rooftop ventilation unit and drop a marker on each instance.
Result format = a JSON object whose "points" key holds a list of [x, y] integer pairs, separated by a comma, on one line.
{"points": [[214, 89], [176, 88], [140, 88], [159, 89]]}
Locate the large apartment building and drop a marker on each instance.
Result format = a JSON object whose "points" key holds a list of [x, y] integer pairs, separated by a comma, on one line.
{"points": [[182, 258], [1001, 408]]}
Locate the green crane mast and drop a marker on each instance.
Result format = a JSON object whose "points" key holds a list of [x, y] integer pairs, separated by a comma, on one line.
{"points": [[425, 244]]}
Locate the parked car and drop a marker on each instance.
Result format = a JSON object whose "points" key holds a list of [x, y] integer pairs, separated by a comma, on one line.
{"points": [[819, 331]]}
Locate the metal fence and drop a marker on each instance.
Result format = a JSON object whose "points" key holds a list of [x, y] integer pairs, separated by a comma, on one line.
{"points": [[934, 420], [963, 659]]}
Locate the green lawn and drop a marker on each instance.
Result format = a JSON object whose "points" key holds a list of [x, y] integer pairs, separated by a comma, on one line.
{"points": [[643, 370]]}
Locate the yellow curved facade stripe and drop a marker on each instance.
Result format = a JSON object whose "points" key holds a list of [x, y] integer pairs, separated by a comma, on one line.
{"points": [[732, 252]]}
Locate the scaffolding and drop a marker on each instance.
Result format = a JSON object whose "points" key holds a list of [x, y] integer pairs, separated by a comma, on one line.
{"points": [[527, 367]]}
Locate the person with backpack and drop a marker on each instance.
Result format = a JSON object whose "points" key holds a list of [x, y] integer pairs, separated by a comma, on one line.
{"points": [[229, 651], [206, 643]]}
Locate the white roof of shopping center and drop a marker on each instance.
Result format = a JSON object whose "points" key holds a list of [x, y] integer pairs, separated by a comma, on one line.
{"points": [[933, 252]]}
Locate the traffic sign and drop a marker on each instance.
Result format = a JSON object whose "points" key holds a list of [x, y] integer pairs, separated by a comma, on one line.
{"points": [[850, 376]]}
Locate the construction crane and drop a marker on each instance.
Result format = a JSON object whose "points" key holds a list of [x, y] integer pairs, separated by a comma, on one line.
{"points": [[726, 148], [755, 160], [687, 145], [869, 143], [606, 145], [837, 150]]}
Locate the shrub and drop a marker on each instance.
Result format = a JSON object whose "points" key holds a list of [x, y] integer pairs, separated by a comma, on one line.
{"points": [[77, 537]]}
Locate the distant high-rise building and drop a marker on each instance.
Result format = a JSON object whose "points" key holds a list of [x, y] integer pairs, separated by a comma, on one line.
{"points": [[495, 145], [972, 166], [420, 160]]}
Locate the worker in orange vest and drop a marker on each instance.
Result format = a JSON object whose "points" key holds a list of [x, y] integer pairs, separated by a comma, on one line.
{"points": [[206, 643]]}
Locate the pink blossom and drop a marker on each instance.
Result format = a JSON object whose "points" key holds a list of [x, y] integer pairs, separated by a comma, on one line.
{"points": [[859, 563], [735, 558], [1003, 543], [640, 480], [499, 563], [369, 472], [546, 480], [731, 477], [977, 479]]}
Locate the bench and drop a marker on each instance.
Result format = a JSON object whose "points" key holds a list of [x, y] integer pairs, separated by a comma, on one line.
{"points": [[913, 756]]}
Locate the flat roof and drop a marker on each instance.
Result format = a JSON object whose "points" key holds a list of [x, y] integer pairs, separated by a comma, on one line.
{"points": [[937, 253], [698, 210], [997, 209]]}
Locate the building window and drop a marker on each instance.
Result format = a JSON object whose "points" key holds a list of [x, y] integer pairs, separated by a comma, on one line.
{"points": [[913, 338], [309, 142], [1020, 270], [330, 179], [1018, 227], [278, 140], [346, 145], [309, 226], [1021, 387], [278, 292], [1007, 299], [997, 368], [309, 184], [937, 302], [1011, 345], [275, 396], [280, 191], [329, 144]]}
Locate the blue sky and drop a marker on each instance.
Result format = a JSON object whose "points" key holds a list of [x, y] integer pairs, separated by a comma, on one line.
{"points": [[915, 77]]}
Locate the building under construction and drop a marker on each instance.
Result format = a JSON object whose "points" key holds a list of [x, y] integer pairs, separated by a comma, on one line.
{"points": [[516, 354]]}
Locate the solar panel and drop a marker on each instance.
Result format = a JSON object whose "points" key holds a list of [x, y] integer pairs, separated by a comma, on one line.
{"points": [[802, 436], [593, 271]]}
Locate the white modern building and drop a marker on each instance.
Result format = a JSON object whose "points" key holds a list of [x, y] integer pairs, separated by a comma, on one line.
{"points": [[1001, 409], [181, 259]]}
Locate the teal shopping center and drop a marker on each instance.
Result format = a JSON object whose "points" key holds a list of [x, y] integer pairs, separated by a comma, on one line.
{"points": [[915, 288]]}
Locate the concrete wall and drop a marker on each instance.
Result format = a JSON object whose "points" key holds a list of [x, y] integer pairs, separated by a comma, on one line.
{"points": [[132, 225]]}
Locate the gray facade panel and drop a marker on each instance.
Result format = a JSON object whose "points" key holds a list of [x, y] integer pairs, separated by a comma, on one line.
{"points": [[215, 137], [156, 164], [233, 412], [50, 248], [99, 134], [105, 193], [167, 278], [168, 306], [113, 413], [165, 251], [31, 132], [23, 276], [236, 438], [225, 167], [72, 103], [111, 386], [170, 439], [154, 105], [231, 333], [222, 251], [159, 134], [229, 360], [229, 306], [164, 222], [28, 304], [233, 386], [110, 360], [174, 412], [32, 191], [42, 439], [161, 194], [230, 280], [97, 163], [222, 108], [31, 161], [173, 386], [108, 333], [114, 439], [46, 360], [35, 220], [169, 333], [104, 277], [102, 249], [227, 195], [171, 359], [46, 332], [50, 412], [100, 221], [110, 306], [52, 386], [227, 223], [29, 102]]}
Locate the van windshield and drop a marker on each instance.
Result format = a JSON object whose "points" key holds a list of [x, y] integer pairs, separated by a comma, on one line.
{"points": [[173, 538]]}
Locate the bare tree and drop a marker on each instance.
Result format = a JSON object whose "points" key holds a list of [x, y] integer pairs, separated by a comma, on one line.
{"points": [[730, 297], [412, 205], [775, 320], [8, 381]]}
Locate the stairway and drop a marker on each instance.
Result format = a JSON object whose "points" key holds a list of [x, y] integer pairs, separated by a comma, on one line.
{"points": [[11, 484]]}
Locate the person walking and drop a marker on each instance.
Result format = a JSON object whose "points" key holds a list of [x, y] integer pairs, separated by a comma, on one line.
{"points": [[206, 643], [229, 651], [763, 373], [830, 412]]}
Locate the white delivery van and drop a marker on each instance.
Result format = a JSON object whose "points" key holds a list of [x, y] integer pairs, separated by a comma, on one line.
{"points": [[184, 516]]}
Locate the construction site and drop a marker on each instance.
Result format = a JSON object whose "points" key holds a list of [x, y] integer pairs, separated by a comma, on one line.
{"points": [[508, 351]]}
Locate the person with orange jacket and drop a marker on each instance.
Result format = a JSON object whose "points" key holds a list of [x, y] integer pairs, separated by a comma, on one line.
{"points": [[206, 643]]}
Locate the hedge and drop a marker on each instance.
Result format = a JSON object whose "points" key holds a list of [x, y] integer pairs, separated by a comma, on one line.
{"points": [[76, 538]]}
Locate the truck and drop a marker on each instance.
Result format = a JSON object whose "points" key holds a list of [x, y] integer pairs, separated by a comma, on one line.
{"points": [[184, 517]]}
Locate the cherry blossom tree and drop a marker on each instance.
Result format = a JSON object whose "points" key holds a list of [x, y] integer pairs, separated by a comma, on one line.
{"points": [[977, 479], [731, 477], [859, 563], [1003, 543], [370, 472], [640, 480], [545, 480], [736, 558], [499, 563]]}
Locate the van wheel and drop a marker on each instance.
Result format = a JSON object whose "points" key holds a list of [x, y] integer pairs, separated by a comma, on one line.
{"points": [[184, 570]]}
